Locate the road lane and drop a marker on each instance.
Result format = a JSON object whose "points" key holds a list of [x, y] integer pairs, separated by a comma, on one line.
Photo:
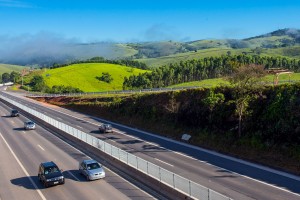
{"points": [[27, 150], [11, 170]]}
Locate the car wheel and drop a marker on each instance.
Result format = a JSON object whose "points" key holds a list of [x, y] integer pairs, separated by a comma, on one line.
{"points": [[39, 178], [87, 178], [45, 184], [63, 182]]}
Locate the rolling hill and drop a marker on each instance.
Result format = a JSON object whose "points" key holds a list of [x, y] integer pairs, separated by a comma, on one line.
{"points": [[84, 76], [290, 52], [6, 68], [282, 42]]}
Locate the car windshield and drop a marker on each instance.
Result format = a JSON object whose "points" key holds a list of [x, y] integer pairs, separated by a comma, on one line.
{"points": [[29, 123], [50, 170], [93, 166], [107, 126], [14, 111]]}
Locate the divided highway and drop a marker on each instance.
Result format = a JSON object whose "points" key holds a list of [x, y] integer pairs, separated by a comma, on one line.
{"points": [[232, 177], [22, 151]]}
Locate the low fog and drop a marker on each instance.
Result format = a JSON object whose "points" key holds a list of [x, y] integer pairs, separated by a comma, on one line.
{"points": [[44, 49]]}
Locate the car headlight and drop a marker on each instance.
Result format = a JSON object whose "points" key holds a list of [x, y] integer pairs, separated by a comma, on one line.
{"points": [[48, 180]]}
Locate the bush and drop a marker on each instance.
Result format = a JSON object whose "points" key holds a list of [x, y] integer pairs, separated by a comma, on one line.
{"points": [[106, 77]]}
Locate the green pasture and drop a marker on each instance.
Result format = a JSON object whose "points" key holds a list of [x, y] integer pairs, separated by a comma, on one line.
{"points": [[284, 78], [208, 83], [6, 68], [83, 76]]}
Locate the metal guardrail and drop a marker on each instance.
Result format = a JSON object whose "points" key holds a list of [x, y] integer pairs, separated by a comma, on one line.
{"points": [[38, 94], [179, 183]]}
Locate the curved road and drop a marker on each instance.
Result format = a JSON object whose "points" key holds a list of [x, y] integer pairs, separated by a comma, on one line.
{"points": [[22, 152], [232, 177]]}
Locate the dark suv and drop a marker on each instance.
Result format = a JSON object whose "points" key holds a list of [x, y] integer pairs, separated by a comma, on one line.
{"points": [[49, 174], [14, 113]]}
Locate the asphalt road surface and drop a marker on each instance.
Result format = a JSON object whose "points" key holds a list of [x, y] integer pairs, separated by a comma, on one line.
{"points": [[22, 151]]}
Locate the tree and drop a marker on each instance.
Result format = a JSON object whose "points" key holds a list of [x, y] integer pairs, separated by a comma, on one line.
{"points": [[212, 100], [5, 77], [37, 83], [14, 76], [244, 79], [106, 77]]}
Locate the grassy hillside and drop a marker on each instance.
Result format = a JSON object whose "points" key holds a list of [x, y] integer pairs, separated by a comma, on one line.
{"points": [[83, 76], [9, 68], [284, 78], [204, 83]]}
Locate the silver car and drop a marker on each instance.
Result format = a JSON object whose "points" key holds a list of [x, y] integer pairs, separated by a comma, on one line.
{"points": [[91, 169], [29, 125]]}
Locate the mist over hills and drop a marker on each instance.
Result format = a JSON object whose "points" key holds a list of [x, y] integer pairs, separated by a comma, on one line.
{"points": [[45, 49]]}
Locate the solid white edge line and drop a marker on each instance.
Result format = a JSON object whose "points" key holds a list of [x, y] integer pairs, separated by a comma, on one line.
{"points": [[23, 168], [164, 162], [41, 147]]}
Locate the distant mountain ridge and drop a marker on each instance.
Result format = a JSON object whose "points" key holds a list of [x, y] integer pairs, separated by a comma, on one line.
{"points": [[294, 33], [66, 53]]}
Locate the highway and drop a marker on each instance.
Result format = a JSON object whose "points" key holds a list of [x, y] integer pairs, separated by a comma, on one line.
{"points": [[22, 151], [232, 177]]}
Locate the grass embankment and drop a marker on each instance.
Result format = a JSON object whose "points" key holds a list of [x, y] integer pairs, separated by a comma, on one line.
{"points": [[83, 76]]}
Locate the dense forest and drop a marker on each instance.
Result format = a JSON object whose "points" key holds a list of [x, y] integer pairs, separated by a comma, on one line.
{"points": [[211, 67]]}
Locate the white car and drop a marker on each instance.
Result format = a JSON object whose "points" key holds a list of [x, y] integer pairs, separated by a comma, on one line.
{"points": [[91, 169], [29, 125]]}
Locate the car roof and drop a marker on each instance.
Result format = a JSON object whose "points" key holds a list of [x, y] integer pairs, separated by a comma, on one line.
{"points": [[29, 122], [49, 164], [89, 161]]}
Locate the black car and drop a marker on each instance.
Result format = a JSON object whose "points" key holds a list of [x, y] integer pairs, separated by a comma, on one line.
{"points": [[14, 113], [49, 174]]}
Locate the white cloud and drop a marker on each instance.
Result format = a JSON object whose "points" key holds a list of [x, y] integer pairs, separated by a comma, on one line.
{"points": [[160, 32], [15, 4]]}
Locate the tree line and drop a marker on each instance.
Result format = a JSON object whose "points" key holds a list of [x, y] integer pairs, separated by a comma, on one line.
{"points": [[98, 59], [10, 77], [206, 68]]}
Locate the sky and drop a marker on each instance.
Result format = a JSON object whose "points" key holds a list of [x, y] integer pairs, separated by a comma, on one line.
{"points": [[149, 20]]}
